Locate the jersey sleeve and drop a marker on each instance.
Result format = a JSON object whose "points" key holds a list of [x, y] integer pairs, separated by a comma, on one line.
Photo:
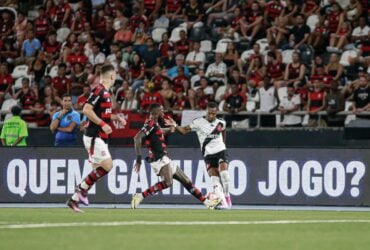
{"points": [[56, 114], [148, 128], [94, 98], [76, 118], [194, 125]]}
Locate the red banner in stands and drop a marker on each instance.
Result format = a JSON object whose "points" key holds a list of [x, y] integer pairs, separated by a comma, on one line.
{"points": [[135, 121]]}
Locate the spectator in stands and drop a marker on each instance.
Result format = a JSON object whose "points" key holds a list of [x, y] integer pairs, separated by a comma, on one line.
{"points": [[81, 100], [290, 11], [27, 98], [180, 102], [221, 10], [62, 14], [235, 102], [48, 97], [299, 34], [37, 68], [6, 82], [65, 123], [231, 57], [183, 45], [275, 69], [353, 11], [168, 94], [319, 34], [269, 102], [361, 96], [165, 45], [316, 103], [30, 46], [217, 71], [334, 68], [42, 24], [360, 33], [20, 25], [169, 61], [195, 58], [288, 104], [61, 84], [152, 56], [96, 57], [150, 97], [124, 34], [334, 103], [339, 38], [252, 25], [14, 131], [256, 72], [193, 14], [50, 45], [6, 25], [173, 72], [151, 8], [137, 72], [277, 32], [8, 53], [294, 72], [130, 102]]}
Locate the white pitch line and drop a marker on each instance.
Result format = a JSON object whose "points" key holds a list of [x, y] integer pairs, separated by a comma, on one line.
{"points": [[175, 223]]}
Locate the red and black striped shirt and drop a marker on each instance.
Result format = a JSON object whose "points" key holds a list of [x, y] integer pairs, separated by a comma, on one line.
{"points": [[100, 99], [154, 140]]}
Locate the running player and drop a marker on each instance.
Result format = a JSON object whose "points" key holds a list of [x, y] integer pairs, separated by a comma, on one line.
{"points": [[211, 135], [160, 162], [98, 110]]}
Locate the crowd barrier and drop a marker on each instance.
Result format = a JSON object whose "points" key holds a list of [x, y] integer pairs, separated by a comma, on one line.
{"points": [[286, 176]]}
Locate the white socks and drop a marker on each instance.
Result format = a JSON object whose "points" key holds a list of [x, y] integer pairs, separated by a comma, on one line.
{"points": [[225, 179], [217, 188]]}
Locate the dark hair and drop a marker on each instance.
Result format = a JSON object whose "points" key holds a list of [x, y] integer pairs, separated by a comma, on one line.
{"points": [[154, 106], [212, 105], [16, 110], [271, 54], [66, 95], [106, 68], [62, 65]]}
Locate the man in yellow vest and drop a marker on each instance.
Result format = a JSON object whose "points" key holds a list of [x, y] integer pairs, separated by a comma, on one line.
{"points": [[14, 130]]}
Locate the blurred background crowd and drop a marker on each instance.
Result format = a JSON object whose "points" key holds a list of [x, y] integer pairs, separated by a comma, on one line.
{"points": [[258, 56]]}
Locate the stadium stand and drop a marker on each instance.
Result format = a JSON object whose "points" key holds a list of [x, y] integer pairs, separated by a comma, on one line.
{"points": [[278, 40]]}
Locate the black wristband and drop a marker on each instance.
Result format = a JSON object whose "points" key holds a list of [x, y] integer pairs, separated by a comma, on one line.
{"points": [[138, 159]]}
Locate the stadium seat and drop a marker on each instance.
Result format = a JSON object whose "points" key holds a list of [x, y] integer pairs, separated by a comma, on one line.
{"points": [[242, 46], [307, 54], [62, 34], [20, 71], [344, 60], [311, 22], [220, 92], [162, 22], [157, 34], [197, 34], [221, 106], [287, 56], [263, 43], [210, 57], [206, 46], [53, 71], [175, 34], [7, 104], [246, 54], [221, 46]]}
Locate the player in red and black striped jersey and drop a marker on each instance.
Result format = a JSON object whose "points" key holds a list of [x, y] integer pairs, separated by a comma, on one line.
{"points": [[160, 162], [98, 110]]}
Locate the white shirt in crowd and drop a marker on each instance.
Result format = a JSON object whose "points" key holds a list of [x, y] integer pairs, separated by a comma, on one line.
{"points": [[220, 68], [196, 57], [99, 58], [358, 31], [267, 99], [209, 134], [290, 104]]}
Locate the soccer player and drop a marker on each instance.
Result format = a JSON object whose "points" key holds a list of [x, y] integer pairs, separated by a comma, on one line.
{"points": [[160, 162], [98, 110], [211, 135]]}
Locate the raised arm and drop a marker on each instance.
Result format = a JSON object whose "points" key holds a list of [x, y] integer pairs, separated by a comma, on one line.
{"points": [[182, 130]]}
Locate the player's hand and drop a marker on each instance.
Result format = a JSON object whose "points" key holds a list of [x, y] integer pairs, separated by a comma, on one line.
{"points": [[107, 129], [169, 121], [137, 167]]}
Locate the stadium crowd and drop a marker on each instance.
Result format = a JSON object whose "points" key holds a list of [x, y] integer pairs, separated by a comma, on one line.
{"points": [[247, 55]]}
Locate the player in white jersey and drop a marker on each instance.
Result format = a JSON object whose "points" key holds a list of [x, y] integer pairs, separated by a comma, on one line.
{"points": [[211, 135]]}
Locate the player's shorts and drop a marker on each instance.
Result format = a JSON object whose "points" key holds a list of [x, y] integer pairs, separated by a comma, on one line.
{"points": [[213, 161], [98, 152], [160, 163]]}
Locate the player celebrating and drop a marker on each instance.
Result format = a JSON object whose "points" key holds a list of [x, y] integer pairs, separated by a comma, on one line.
{"points": [[211, 135], [160, 162], [98, 110]]}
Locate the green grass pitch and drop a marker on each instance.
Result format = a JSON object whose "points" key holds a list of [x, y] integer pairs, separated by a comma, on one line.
{"points": [[57, 228]]}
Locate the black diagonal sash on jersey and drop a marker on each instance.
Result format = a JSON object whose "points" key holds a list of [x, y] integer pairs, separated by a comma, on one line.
{"points": [[208, 140]]}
